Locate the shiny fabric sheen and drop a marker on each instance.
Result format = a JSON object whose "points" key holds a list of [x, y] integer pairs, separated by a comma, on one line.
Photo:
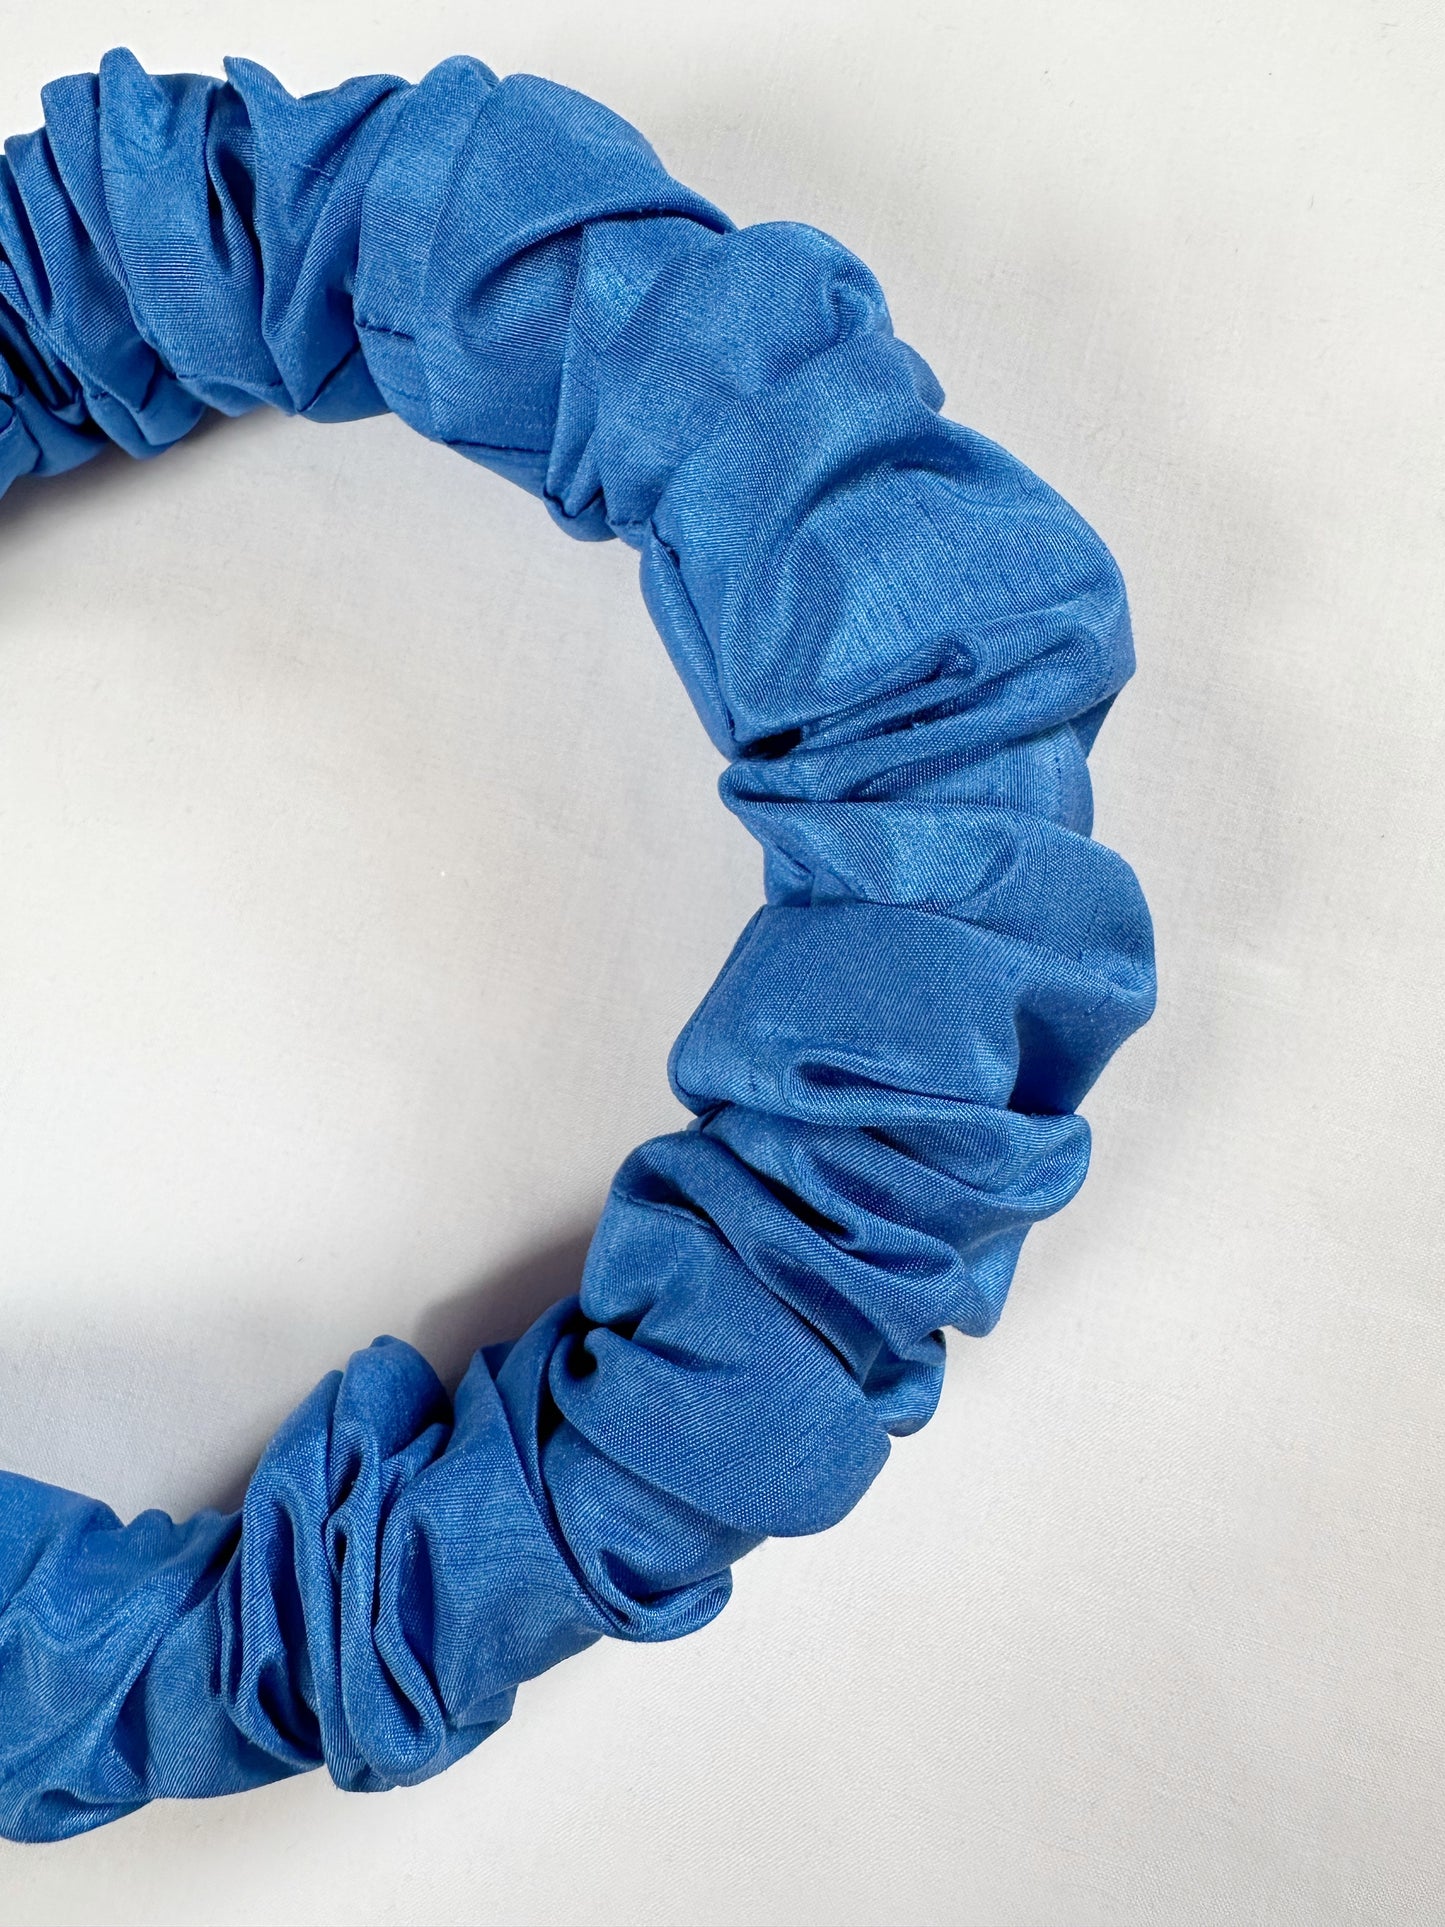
{"points": [[902, 641]]}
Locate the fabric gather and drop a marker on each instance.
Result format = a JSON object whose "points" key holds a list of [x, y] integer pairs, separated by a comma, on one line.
{"points": [[902, 641]]}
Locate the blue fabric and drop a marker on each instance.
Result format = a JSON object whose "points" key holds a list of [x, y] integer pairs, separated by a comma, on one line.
{"points": [[902, 641]]}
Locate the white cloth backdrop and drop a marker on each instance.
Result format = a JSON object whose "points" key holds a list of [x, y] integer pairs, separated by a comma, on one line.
{"points": [[359, 860]]}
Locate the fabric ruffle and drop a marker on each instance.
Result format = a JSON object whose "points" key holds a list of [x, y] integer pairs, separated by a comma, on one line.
{"points": [[902, 641]]}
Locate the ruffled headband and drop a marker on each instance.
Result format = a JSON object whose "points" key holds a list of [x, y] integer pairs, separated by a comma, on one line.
{"points": [[902, 641]]}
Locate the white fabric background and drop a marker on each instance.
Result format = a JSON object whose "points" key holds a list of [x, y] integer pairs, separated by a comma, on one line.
{"points": [[360, 861]]}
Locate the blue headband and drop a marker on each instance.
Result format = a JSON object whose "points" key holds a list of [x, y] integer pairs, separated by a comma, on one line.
{"points": [[902, 641]]}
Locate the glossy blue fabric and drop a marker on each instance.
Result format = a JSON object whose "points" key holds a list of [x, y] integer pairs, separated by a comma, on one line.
{"points": [[902, 641]]}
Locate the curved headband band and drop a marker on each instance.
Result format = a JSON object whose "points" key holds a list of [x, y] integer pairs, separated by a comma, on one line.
{"points": [[902, 641]]}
